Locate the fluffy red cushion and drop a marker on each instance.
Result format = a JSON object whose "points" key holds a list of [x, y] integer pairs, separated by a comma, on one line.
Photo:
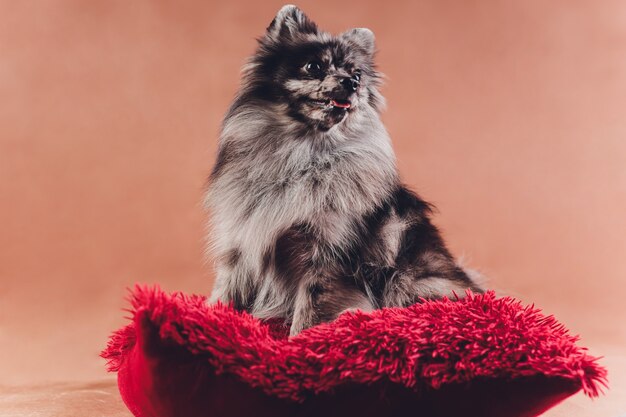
{"points": [[479, 356]]}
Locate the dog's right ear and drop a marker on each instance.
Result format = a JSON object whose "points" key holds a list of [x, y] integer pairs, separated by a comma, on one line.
{"points": [[288, 23]]}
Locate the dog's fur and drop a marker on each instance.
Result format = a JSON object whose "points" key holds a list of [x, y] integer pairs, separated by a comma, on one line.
{"points": [[309, 218]]}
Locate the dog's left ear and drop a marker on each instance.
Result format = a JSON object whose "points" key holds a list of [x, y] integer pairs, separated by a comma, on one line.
{"points": [[289, 22], [362, 38]]}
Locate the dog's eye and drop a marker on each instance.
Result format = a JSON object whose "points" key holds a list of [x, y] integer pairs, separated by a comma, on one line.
{"points": [[356, 74], [313, 67]]}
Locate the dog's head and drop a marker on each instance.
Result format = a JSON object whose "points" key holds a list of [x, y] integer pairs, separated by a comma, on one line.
{"points": [[319, 79]]}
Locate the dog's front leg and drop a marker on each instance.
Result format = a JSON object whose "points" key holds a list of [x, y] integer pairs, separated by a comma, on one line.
{"points": [[324, 299], [304, 311]]}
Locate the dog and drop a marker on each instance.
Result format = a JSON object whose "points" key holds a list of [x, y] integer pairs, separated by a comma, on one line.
{"points": [[309, 217]]}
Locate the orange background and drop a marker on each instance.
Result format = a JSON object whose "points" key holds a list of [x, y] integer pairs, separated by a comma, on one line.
{"points": [[509, 116]]}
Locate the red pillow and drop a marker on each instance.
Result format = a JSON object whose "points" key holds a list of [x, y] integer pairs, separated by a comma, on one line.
{"points": [[481, 356]]}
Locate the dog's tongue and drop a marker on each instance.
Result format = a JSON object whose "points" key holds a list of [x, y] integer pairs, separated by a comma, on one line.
{"points": [[341, 104]]}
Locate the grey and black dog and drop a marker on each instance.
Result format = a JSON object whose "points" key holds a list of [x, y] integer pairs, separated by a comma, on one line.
{"points": [[309, 218]]}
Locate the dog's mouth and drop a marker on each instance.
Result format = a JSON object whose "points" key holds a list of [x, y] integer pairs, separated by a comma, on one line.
{"points": [[333, 103]]}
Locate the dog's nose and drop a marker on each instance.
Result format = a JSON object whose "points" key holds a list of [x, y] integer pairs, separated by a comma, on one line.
{"points": [[350, 83]]}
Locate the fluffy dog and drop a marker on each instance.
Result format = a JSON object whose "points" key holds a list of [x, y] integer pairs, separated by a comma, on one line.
{"points": [[309, 217]]}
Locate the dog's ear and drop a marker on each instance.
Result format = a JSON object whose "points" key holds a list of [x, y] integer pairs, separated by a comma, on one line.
{"points": [[362, 38], [289, 22]]}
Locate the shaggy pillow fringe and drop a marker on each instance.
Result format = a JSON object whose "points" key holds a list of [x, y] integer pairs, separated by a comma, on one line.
{"points": [[426, 345]]}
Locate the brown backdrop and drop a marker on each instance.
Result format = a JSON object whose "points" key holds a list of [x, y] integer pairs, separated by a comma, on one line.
{"points": [[509, 116]]}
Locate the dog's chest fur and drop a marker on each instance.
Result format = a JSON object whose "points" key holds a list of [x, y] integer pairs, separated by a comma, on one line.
{"points": [[270, 185]]}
